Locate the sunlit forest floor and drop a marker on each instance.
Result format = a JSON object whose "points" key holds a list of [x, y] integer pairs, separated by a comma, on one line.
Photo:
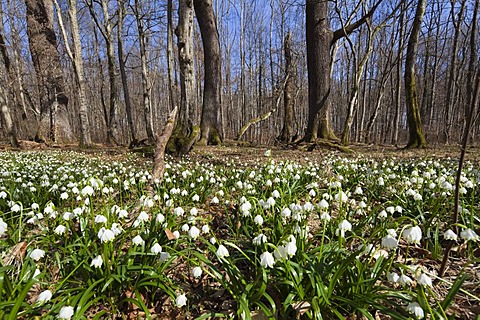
{"points": [[237, 232]]}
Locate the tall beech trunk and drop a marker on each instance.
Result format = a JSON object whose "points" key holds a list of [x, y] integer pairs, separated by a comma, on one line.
{"points": [[416, 137], [287, 133], [5, 112], [123, 73], [172, 81], [53, 123], [185, 133], [209, 125], [320, 39], [147, 105]]}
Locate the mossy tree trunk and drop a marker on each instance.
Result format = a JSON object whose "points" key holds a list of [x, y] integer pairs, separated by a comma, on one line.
{"points": [[54, 124], [210, 124], [416, 138], [185, 132]]}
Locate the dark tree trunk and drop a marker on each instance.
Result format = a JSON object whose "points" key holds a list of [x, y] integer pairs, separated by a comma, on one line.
{"points": [[416, 137], [319, 37], [209, 125], [54, 124], [289, 121]]}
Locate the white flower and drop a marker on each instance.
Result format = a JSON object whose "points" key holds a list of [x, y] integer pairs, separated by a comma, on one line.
{"points": [[260, 239], [160, 218], [156, 249], [122, 213], [342, 227], [389, 242], [405, 280], [64, 196], [325, 216], [280, 253], [181, 300], [341, 197], [197, 272], [450, 235], [3, 227], [185, 227], [291, 247], [413, 234], [164, 256], [424, 280], [416, 310], [142, 217], [382, 214], [268, 153], [393, 277], [195, 198], [60, 229], [100, 218], [16, 208], [222, 251], [258, 220], [176, 234], [275, 194], [105, 235], [44, 296], [194, 232], [138, 240], [87, 191], [37, 254], [266, 260], [178, 211], [205, 228], [96, 262], [215, 200], [286, 213], [323, 204], [392, 233], [469, 234], [65, 313], [213, 240]]}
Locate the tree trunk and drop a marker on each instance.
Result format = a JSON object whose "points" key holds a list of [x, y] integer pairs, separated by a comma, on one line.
{"points": [[147, 105], [77, 61], [319, 37], [209, 126], [172, 81], [289, 118], [5, 111], [53, 124], [416, 136], [123, 73], [185, 133]]}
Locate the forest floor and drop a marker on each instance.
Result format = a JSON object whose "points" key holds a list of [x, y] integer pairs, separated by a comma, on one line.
{"points": [[251, 155]]}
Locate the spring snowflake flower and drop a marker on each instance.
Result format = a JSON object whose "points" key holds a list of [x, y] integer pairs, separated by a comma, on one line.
{"points": [[37, 254], [286, 213], [215, 200], [100, 219], [179, 212], [260, 239], [105, 235], [258, 220], [44, 296], [64, 196], [185, 227], [97, 262], [197, 272], [213, 240], [66, 313], [413, 234], [222, 251], [181, 300], [3, 227], [450, 235], [280, 253], [323, 204], [3, 195], [341, 197], [194, 232], [424, 280], [469, 235], [405, 280], [389, 242], [291, 246], [325, 217], [205, 229], [122, 213], [138, 240], [245, 208], [87, 191], [383, 214], [275, 194], [176, 234], [267, 260], [60, 229], [268, 153], [193, 211], [342, 227], [156, 248], [393, 277], [415, 309]]}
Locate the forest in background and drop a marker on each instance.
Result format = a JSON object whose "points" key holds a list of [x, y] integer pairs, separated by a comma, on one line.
{"points": [[115, 69]]}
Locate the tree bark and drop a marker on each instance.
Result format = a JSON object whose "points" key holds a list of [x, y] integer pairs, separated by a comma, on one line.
{"points": [[53, 124], [147, 105], [172, 81], [123, 73], [416, 137], [209, 125], [287, 133]]}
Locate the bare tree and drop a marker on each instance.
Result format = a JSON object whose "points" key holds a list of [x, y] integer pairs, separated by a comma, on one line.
{"points": [[416, 137], [53, 124], [320, 38], [209, 126], [288, 92]]}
